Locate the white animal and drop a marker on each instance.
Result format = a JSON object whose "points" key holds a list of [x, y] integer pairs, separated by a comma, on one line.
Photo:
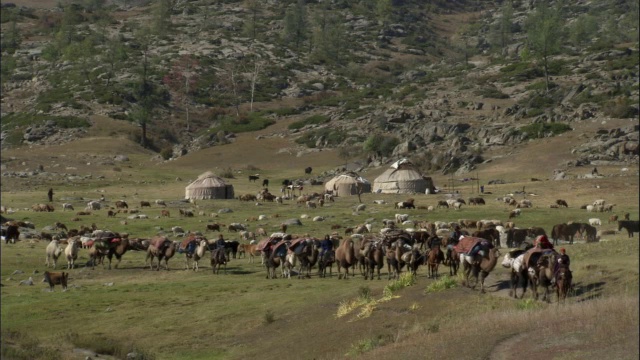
{"points": [[591, 208], [379, 202], [161, 202], [71, 253], [67, 206], [595, 222], [457, 205], [53, 252], [93, 205], [599, 202], [400, 218]]}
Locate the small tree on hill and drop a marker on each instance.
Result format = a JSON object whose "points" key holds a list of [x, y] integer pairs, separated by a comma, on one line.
{"points": [[544, 31], [181, 79]]}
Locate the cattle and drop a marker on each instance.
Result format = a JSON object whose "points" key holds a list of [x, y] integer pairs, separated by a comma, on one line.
{"points": [[515, 237], [235, 227], [161, 202], [562, 203], [308, 170], [13, 234], [213, 227], [476, 201], [145, 203], [56, 278], [442, 203], [67, 206], [457, 205], [93, 205], [186, 213], [254, 177], [121, 204], [265, 183], [111, 213]]}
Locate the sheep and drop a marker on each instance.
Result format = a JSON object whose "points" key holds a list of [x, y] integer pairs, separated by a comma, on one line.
{"points": [[161, 202], [177, 230], [310, 204], [599, 202], [457, 205], [591, 208], [400, 218], [67, 206], [595, 222]]}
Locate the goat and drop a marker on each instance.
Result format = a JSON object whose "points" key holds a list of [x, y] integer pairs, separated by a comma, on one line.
{"points": [[56, 278]]}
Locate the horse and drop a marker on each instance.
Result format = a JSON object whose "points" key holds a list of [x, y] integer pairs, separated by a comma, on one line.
{"points": [[434, 258], [563, 283], [630, 225], [452, 258], [218, 258]]}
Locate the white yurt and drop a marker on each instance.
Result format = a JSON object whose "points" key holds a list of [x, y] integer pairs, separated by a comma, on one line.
{"points": [[347, 184], [402, 178], [209, 186]]}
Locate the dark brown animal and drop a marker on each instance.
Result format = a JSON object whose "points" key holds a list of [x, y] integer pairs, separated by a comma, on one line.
{"points": [[213, 227], [111, 213], [145, 203], [563, 283], [476, 201], [613, 219], [218, 259], [515, 237], [561, 203], [13, 234], [442, 203], [434, 258], [165, 213], [630, 226], [490, 234], [56, 278], [120, 204]]}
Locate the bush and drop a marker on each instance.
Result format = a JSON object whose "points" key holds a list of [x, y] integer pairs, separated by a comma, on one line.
{"points": [[243, 123], [166, 153], [620, 108], [227, 173], [491, 93]]}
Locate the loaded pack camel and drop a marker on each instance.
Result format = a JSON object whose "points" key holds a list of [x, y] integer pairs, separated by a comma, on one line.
{"points": [[480, 270], [395, 262], [274, 256], [161, 248], [197, 254], [373, 256], [306, 252]]}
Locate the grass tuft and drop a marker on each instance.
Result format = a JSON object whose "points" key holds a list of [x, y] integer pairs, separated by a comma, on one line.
{"points": [[441, 284]]}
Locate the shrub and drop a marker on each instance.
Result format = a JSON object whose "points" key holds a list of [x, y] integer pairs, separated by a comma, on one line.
{"points": [[619, 108], [540, 130], [269, 317], [243, 123], [227, 173], [166, 153], [491, 93]]}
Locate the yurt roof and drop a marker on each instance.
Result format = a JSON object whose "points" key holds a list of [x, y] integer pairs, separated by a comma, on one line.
{"points": [[207, 179], [349, 178]]}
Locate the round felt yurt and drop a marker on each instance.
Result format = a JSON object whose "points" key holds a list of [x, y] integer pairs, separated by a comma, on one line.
{"points": [[348, 184], [209, 186], [402, 178]]}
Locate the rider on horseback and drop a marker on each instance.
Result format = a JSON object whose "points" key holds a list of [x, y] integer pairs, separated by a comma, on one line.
{"points": [[326, 246]]}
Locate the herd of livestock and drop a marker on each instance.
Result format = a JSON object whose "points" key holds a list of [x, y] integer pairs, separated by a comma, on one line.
{"points": [[401, 243]]}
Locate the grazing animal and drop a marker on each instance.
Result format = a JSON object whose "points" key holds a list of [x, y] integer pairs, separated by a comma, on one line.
{"points": [[145, 203], [121, 204], [254, 177], [56, 278], [490, 234], [265, 183], [452, 258], [93, 205], [67, 206], [13, 233], [218, 259], [629, 225], [308, 170], [374, 259], [161, 202], [165, 213], [595, 222], [231, 248], [626, 216], [111, 213], [213, 227], [53, 252], [561, 203], [476, 201], [515, 237], [442, 203], [613, 219], [513, 260], [564, 231]]}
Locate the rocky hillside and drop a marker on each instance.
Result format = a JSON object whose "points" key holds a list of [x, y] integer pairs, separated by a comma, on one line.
{"points": [[442, 82]]}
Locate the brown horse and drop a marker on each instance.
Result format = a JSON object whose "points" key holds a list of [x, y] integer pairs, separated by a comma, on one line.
{"points": [[563, 283], [434, 258], [490, 234], [452, 258]]}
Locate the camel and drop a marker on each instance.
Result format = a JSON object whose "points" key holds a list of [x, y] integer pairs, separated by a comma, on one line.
{"points": [[542, 274], [197, 254], [166, 251], [108, 248], [218, 258], [53, 252], [307, 257], [71, 253], [118, 250], [480, 271], [395, 261], [374, 259], [345, 257], [274, 257], [513, 260]]}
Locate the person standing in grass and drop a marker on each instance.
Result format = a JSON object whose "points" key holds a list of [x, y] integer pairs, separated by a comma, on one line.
{"points": [[50, 194]]}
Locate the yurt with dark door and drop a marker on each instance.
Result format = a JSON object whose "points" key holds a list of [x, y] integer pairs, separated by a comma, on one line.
{"points": [[402, 178], [347, 184], [209, 186]]}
